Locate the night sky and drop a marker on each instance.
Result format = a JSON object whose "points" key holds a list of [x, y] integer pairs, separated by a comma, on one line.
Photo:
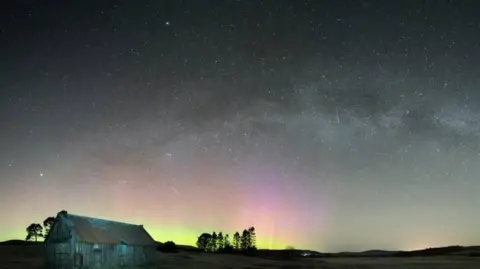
{"points": [[329, 125]]}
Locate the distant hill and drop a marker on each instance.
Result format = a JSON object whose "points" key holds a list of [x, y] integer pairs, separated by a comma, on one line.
{"points": [[470, 251], [473, 251], [368, 253], [378, 253], [18, 242], [440, 251]]}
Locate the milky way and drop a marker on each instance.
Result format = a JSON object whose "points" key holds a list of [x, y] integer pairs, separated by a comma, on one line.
{"points": [[327, 126]]}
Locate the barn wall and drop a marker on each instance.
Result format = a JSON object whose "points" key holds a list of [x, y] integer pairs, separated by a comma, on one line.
{"points": [[152, 253], [59, 233], [107, 255], [58, 246], [88, 255]]}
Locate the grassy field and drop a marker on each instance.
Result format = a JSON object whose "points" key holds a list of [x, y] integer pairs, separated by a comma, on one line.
{"points": [[16, 257]]}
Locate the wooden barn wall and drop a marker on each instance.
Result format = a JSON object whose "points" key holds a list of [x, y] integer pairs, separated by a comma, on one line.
{"points": [[112, 255], [59, 233], [58, 246]]}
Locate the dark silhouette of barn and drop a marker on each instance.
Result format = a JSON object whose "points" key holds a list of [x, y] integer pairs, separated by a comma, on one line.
{"points": [[79, 241]]}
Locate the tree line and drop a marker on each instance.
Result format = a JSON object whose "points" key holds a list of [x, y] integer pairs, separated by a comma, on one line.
{"points": [[222, 243]]}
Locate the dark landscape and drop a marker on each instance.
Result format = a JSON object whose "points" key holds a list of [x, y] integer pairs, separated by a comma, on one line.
{"points": [[16, 254]]}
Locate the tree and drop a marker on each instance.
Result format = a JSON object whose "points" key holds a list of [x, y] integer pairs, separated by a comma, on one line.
{"points": [[34, 231], [168, 246], [226, 241], [227, 247], [48, 224], [236, 241], [220, 241], [244, 240], [213, 242], [252, 238], [203, 241]]}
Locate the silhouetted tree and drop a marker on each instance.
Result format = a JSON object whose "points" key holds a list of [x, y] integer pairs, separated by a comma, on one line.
{"points": [[227, 247], [213, 242], [168, 246], [220, 241], [236, 241], [226, 241], [244, 240], [203, 241], [34, 231], [252, 238], [48, 224]]}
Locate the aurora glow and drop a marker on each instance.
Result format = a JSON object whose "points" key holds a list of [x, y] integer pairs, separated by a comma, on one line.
{"points": [[329, 125]]}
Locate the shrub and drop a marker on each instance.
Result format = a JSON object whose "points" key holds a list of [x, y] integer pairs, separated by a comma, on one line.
{"points": [[168, 246]]}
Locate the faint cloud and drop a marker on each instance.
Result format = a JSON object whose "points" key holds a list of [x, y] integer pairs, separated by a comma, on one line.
{"points": [[460, 119]]}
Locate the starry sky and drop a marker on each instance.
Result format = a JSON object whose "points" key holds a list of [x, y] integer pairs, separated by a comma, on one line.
{"points": [[329, 125]]}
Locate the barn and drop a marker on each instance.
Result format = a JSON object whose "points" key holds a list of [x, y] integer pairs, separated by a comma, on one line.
{"points": [[84, 242]]}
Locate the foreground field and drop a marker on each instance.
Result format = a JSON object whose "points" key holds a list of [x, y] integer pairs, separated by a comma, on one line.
{"points": [[204, 261], [16, 257]]}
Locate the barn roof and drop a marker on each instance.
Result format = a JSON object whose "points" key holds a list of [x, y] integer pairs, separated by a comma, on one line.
{"points": [[101, 231]]}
